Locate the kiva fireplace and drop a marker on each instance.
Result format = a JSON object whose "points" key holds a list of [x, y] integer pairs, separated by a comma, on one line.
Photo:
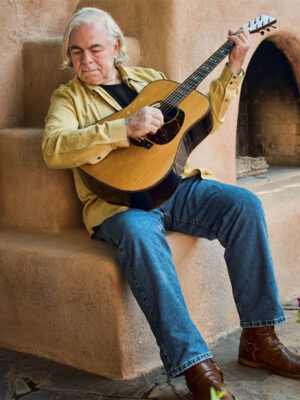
{"points": [[268, 131]]}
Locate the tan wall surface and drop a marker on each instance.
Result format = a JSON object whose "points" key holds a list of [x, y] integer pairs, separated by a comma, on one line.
{"points": [[34, 198], [20, 20]]}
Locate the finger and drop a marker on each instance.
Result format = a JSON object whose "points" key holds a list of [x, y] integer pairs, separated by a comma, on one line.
{"points": [[150, 113], [156, 111], [158, 117], [243, 37], [152, 122], [152, 129], [155, 125], [240, 42], [246, 32], [234, 39]]}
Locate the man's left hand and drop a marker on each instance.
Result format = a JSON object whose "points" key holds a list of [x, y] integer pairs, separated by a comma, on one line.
{"points": [[242, 43]]}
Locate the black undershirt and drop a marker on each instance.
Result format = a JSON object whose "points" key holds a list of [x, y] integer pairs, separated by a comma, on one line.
{"points": [[121, 93]]}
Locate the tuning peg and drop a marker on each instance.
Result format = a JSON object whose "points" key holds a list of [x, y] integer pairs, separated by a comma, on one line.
{"points": [[273, 26], [268, 29], [262, 32]]}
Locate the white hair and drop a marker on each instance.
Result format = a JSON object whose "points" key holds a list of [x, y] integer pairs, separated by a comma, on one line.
{"points": [[90, 15]]}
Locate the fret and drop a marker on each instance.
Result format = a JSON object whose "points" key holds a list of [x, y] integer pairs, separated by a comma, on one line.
{"points": [[197, 76]]}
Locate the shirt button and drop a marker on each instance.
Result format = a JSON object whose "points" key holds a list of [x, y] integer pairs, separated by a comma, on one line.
{"points": [[226, 99]]}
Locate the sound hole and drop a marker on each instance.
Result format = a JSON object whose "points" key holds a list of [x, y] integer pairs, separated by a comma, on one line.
{"points": [[174, 118]]}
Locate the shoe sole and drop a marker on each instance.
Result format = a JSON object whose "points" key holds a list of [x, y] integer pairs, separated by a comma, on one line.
{"points": [[255, 364]]}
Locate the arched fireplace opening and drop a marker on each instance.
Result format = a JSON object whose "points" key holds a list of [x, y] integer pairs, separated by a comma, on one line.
{"points": [[268, 130]]}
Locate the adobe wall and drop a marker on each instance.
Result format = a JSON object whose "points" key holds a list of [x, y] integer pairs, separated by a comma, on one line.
{"points": [[20, 21]]}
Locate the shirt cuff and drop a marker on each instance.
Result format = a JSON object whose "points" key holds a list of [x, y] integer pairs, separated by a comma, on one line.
{"points": [[241, 73], [229, 79], [117, 132]]}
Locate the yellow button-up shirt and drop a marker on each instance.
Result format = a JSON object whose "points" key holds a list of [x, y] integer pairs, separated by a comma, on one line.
{"points": [[74, 136]]}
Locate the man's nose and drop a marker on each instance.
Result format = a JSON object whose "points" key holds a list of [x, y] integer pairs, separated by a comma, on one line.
{"points": [[86, 57]]}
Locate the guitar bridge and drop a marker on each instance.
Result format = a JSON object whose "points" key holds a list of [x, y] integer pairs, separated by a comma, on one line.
{"points": [[141, 142]]}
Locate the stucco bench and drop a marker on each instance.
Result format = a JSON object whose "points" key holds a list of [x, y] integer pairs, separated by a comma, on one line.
{"points": [[63, 294], [64, 298]]}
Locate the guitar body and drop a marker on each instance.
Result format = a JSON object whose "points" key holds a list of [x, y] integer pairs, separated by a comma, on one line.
{"points": [[145, 176]]}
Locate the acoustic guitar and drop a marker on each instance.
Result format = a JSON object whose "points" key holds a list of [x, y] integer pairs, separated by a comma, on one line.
{"points": [[148, 172]]}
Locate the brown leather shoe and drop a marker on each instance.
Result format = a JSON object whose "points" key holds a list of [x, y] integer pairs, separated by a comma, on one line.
{"points": [[260, 347], [204, 375]]}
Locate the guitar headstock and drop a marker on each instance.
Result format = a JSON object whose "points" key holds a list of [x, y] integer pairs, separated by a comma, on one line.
{"points": [[261, 23]]}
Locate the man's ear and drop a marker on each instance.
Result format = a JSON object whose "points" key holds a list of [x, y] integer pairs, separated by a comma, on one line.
{"points": [[117, 47]]}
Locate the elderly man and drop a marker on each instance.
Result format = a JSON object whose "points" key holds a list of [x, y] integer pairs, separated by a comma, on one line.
{"points": [[74, 135]]}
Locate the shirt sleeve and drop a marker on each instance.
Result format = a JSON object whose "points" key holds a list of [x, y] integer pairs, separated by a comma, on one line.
{"points": [[221, 92], [65, 145]]}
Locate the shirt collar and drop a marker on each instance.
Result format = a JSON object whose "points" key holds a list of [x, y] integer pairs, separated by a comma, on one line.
{"points": [[127, 74], [128, 77]]}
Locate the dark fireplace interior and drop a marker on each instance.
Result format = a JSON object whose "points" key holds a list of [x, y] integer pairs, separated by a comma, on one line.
{"points": [[268, 128]]}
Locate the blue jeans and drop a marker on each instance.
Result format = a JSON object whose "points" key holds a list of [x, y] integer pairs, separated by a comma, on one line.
{"points": [[206, 209]]}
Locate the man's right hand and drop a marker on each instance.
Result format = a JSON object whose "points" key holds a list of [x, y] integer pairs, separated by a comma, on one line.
{"points": [[146, 120]]}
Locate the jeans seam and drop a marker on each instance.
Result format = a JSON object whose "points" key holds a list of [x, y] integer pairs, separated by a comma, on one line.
{"points": [[165, 353], [141, 292], [143, 299], [271, 322], [192, 221]]}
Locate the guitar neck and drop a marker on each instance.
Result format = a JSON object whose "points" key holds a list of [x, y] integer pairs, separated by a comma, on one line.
{"points": [[186, 87], [183, 90]]}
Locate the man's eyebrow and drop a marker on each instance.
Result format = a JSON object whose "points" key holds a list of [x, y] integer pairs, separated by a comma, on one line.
{"points": [[75, 47], [95, 45]]}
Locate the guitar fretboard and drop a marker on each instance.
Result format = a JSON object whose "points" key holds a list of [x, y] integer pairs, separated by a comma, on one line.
{"points": [[186, 87]]}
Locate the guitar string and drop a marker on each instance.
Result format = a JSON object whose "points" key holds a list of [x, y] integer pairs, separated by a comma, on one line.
{"points": [[183, 90], [195, 78], [192, 82], [227, 46]]}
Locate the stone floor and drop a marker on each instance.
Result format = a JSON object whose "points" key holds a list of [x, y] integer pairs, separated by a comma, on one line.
{"points": [[30, 378]]}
